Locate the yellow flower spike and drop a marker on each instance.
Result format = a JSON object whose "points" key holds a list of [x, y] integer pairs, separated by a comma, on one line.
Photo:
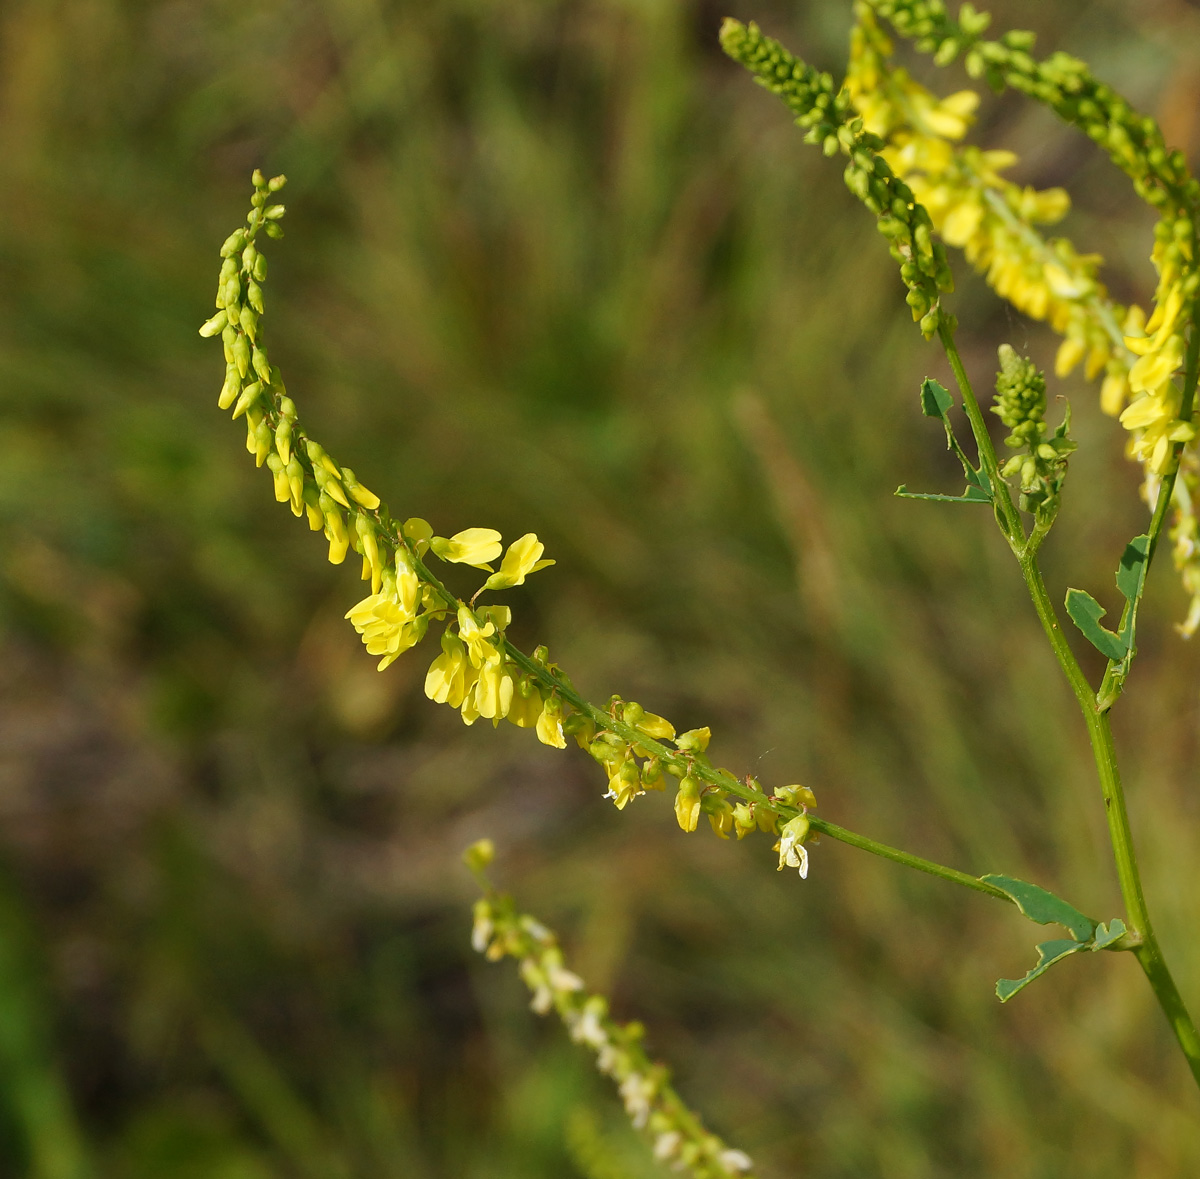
{"points": [[549, 727], [472, 546], [687, 804], [524, 557]]}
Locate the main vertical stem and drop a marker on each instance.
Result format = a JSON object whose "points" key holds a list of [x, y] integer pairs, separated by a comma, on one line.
{"points": [[1147, 951]]}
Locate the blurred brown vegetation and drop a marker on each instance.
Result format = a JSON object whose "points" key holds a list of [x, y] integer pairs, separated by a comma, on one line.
{"points": [[554, 266]]}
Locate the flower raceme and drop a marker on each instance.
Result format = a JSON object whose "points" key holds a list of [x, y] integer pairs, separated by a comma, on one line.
{"points": [[905, 145], [675, 1133], [477, 671]]}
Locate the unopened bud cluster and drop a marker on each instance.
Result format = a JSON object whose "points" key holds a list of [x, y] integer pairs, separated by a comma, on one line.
{"points": [[676, 1134], [833, 123], [1021, 406]]}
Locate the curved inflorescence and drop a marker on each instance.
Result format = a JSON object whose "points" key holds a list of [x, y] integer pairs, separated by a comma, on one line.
{"points": [[478, 671]]}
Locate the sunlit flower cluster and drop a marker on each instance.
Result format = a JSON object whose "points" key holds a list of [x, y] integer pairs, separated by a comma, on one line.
{"points": [[989, 218], [477, 671], [993, 222], [676, 1133]]}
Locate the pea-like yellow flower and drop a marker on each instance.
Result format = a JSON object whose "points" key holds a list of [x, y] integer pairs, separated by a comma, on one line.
{"points": [[472, 546], [687, 804], [385, 628], [524, 557], [549, 727], [451, 673], [477, 636]]}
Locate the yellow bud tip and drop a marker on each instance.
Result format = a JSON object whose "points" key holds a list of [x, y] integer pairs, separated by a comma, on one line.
{"points": [[479, 855]]}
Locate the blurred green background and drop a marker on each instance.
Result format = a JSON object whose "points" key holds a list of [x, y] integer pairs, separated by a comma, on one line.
{"points": [[554, 266]]}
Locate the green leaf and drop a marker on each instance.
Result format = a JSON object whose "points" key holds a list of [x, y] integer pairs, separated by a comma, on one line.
{"points": [[1044, 907], [1131, 575], [1086, 613], [935, 399], [1048, 954], [972, 495]]}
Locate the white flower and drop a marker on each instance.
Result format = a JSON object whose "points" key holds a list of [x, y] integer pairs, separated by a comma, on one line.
{"points": [[665, 1145], [736, 1162], [792, 852]]}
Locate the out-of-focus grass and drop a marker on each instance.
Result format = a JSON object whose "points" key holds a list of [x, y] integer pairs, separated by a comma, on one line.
{"points": [[557, 267]]}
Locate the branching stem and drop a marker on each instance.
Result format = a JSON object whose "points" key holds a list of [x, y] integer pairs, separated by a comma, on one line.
{"points": [[1148, 952]]}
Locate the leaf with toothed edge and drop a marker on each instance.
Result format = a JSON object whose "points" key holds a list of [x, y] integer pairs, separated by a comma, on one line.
{"points": [[1085, 613], [1045, 908]]}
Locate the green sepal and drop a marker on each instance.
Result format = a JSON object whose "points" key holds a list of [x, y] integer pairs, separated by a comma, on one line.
{"points": [[1086, 613]]}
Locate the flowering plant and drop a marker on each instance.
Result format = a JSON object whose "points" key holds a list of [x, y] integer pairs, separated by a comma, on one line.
{"points": [[906, 162]]}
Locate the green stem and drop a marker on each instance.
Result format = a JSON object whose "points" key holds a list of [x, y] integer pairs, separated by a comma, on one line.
{"points": [[906, 858], [1007, 515], [1147, 950]]}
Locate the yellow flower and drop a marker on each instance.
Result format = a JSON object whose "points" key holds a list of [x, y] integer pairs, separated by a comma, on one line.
{"points": [[450, 674], [549, 724], [687, 804], [523, 557], [385, 628], [526, 707], [472, 546], [493, 691], [477, 638]]}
